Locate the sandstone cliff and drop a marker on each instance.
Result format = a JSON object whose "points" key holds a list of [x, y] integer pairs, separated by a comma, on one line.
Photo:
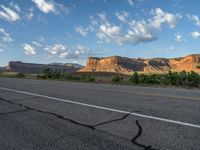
{"points": [[128, 65]]}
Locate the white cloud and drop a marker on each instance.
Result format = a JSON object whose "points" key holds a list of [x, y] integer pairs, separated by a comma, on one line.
{"points": [[55, 49], [109, 33], [102, 16], [37, 44], [161, 17], [15, 6], [45, 6], [122, 16], [179, 38], [196, 34], [29, 15], [28, 49], [131, 31], [76, 52], [82, 31], [195, 18], [140, 32], [64, 55], [137, 32], [6, 37], [80, 50], [51, 7], [9, 14], [68, 52], [130, 2]]}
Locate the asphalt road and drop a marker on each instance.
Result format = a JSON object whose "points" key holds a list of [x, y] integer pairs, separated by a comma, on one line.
{"points": [[55, 115]]}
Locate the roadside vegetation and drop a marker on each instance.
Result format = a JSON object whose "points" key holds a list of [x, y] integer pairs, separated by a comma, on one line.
{"points": [[178, 79], [50, 74]]}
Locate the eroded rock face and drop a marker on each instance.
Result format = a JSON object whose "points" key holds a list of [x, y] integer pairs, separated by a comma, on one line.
{"points": [[36, 68], [128, 65]]}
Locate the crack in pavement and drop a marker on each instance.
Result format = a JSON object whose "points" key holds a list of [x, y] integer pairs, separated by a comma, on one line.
{"points": [[13, 112], [134, 139], [114, 120], [93, 127], [46, 112]]}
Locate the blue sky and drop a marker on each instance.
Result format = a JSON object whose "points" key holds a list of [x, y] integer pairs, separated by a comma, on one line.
{"points": [[45, 31]]}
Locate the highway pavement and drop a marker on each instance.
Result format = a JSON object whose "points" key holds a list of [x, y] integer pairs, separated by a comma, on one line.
{"points": [[59, 115]]}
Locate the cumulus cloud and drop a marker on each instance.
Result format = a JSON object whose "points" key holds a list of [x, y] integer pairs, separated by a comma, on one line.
{"points": [[15, 6], [69, 52], [130, 2], [109, 33], [196, 34], [55, 49], [140, 32], [82, 31], [161, 17], [51, 7], [130, 31], [122, 16], [179, 38], [28, 49], [5, 36], [29, 15], [64, 55], [137, 31], [8, 14], [37, 44], [78, 52], [45, 6], [195, 18], [81, 50]]}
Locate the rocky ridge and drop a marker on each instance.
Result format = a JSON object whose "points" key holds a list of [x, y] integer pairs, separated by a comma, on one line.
{"points": [[155, 65]]}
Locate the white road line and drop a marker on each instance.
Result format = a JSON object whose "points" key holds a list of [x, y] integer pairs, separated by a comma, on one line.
{"points": [[104, 108]]}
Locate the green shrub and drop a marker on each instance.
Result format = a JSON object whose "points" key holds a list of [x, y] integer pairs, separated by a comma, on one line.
{"points": [[183, 78], [193, 79], [117, 78], [56, 74], [48, 73], [20, 75], [87, 78], [171, 78], [70, 77], [134, 78]]}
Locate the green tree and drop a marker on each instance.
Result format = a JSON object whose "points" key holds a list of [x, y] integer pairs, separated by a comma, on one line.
{"points": [[194, 79], [56, 74], [117, 78], [20, 75], [173, 77], [135, 78], [183, 78], [87, 78], [70, 77], [48, 73]]}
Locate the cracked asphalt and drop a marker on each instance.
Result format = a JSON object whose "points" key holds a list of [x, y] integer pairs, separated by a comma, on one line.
{"points": [[29, 122]]}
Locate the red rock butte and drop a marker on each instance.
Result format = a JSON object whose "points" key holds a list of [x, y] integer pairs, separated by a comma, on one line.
{"points": [[126, 65]]}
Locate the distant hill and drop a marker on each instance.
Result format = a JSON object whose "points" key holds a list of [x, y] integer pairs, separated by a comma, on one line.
{"points": [[75, 65], [17, 66], [1, 68], [155, 65]]}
